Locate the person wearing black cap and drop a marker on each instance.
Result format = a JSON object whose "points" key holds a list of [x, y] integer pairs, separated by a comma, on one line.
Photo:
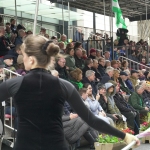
{"points": [[147, 75], [123, 77], [134, 78]]}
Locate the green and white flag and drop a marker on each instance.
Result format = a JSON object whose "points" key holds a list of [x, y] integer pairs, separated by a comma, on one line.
{"points": [[120, 23]]}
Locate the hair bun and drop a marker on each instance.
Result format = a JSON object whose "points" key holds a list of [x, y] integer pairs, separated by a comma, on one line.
{"points": [[52, 49]]}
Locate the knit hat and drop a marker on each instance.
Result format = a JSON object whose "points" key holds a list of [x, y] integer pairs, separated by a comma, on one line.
{"points": [[92, 50], [8, 57], [134, 71], [20, 59], [123, 73], [146, 73]]}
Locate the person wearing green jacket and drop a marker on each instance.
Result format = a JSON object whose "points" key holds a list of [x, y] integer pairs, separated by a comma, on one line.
{"points": [[136, 101]]}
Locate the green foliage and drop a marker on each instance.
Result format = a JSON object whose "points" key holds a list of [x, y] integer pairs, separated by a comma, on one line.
{"points": [[108, 139]]}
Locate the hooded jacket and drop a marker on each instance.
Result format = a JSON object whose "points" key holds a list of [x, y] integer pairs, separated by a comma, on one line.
{"points": [[112, 108]]}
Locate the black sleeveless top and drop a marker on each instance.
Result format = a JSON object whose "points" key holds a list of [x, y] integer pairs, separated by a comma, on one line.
{"points": [[39, 98]]}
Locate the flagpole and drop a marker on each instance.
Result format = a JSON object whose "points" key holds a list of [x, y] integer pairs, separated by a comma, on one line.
{"points": [[35, 17], [104, 17], [63, 15]]}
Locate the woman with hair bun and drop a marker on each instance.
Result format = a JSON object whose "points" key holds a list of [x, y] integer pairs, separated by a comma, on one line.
{"points": [[39, 99]]}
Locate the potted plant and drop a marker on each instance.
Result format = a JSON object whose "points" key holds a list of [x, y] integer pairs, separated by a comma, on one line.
{"points": [[108, 142]]}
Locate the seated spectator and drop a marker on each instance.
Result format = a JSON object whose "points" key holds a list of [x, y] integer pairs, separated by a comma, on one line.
{"points": [[47, 36], [95, 69], [88, 65], [19, 39], [75, 78], [79, 61], [119, 65], [128, 81], [90, 78], [124, 65], [92, 53], [84, 55], [136, 101], [108, 76], [70, 61], [134, 78], [55, 73], [141, 76], [62, 47], [143, 62], [98, 54], [64, 39], [128, 111], [107, 55], [8, 62], [4, 48], [95, 106], [20, 68], [78, 45], [61, 68], [112, 108], [51, 65], [114, 64], [147, 75], [43, 31], [104, 101], [116, 76], [107, 63], [101, 66], [75, 128], [15, 52], [123, 86], [29, 32], [2, 75]]}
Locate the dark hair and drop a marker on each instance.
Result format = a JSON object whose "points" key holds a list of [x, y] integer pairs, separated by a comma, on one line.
{"points": [[100, 59], [77, 44], [69, 46], [81, 91], [123, 63], [8, 24], [12, 19], [85, 85], [75, 74], [40, 48], [68, 50], [88, 61], [18, 47]]}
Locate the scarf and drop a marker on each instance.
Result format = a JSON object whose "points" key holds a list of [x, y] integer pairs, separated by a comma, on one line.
{"points": [[79, 84]]}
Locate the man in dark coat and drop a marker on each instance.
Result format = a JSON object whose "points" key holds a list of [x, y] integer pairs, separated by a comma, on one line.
{"points": [[61, 68], [101, 66], [88, 66], [79, 62], [108, 76]]}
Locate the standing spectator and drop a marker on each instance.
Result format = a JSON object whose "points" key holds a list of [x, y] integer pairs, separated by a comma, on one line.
{"points": [[61, 68], [92, 53], [88, 65], [43, 31], [108, 76], [101, 66], [79, 62], [70, 61], [133, 57], [13, 27]]}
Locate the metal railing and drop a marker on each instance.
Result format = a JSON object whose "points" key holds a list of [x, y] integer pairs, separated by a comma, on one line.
{"points": [[134, 64], [29, 25]]}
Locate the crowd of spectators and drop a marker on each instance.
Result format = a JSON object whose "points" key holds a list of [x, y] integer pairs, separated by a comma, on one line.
{"points": [[109, 88]]}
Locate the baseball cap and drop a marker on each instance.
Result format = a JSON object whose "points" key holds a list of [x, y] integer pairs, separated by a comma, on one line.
{"points": [[134, 71], [123, 73]]}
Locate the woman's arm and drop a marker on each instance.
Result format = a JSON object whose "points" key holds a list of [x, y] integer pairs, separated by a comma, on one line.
{"points": [[73, 98], [10, 87]]}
